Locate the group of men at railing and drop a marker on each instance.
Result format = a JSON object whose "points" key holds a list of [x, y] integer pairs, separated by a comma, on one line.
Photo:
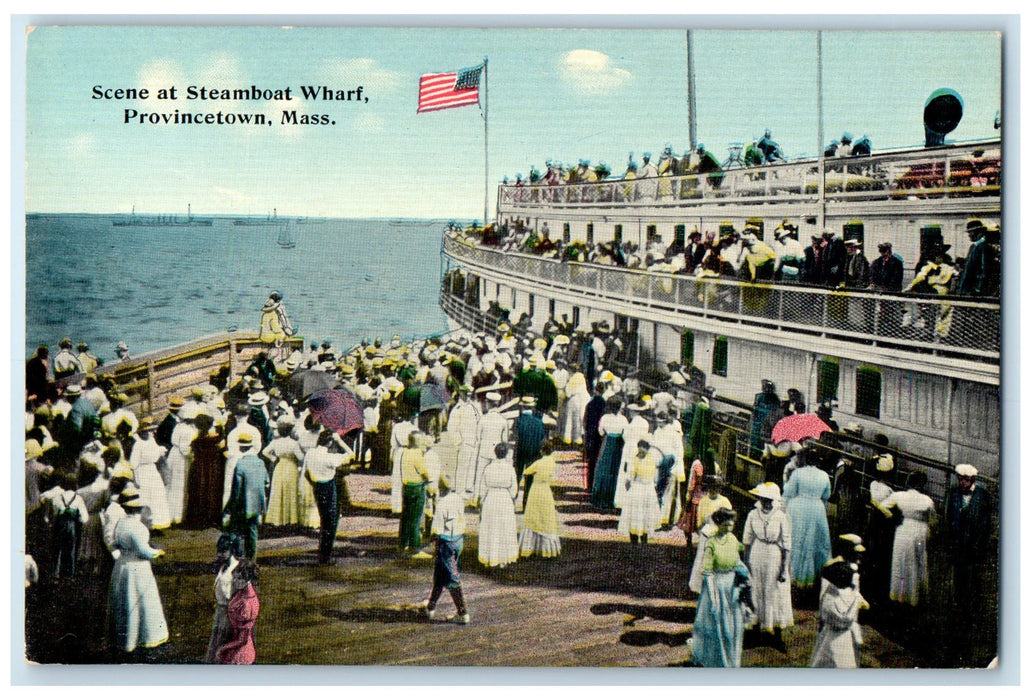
{"points": [[828, 261]]}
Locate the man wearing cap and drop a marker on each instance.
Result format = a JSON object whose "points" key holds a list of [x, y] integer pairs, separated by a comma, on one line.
{"points": [[970, 280], [246, 506], [857, 268], [163, 435], [814, 265], [87, 360], [492, 429], [968, 529], [529, 435], [65, 362], [887, 270], [834, 258]]}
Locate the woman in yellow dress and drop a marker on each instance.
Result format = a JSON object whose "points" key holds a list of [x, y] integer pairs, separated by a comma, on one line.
{"points": [[540, 531]]}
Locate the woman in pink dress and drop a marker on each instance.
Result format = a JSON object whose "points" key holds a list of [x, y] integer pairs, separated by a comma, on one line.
{"points": [[243, 614]]}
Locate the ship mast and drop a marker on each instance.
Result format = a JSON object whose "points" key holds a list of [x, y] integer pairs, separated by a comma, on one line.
{"points": [[692, 122], [821, 171]]}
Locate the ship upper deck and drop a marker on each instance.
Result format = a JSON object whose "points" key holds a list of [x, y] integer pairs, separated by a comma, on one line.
{"points": [[964, 179], [956, 337]]}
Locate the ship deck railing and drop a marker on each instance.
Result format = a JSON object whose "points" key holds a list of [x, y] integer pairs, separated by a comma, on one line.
{"points": [[960, 327], [964, 170]]}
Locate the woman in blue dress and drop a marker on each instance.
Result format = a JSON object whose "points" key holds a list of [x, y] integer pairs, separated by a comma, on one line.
{"points": [[719, 625], [806, 493], [606, 472]]}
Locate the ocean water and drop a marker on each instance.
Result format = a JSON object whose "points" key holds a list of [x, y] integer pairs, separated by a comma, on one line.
{"points": [[153, 287]]}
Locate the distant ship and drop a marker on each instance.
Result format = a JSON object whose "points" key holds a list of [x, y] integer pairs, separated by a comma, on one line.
{"points": [[257, 221], [164, 220], [286, 237]]}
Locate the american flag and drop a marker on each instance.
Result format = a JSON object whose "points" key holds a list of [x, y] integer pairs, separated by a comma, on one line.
{"points": [[447, 90]]}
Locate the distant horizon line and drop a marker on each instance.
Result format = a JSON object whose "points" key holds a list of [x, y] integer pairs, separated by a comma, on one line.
{"points": [[257, 217]]}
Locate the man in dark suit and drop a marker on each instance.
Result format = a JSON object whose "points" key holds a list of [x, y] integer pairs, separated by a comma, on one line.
{"points": [[529, 435], [247, 503], [968, 528]]}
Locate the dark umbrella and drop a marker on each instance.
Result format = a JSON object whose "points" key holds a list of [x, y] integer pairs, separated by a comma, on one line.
{"points": [[337, 409], [306, 382], [797, 428], [432, 397]]}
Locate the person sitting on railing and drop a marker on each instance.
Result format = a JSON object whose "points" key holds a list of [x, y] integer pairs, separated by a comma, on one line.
{"points": [[770, 148], [845, 147], [753, 156], [758, 258], [664, 170], [789, 253], [707, 163], [862, 146], [545, 245], [936, 276], [629, 191], [649, 188], [534, 176], [602, 171], [832, 149], [857, 268]]}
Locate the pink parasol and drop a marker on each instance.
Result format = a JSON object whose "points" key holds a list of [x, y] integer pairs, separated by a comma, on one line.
{"points": [[797, 428], [337, 409]]}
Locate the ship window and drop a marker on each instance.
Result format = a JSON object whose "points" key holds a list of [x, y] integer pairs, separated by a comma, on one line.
{"points": [[687, 347], [680, 235], [853, 230], [652, 232], [590, 233], [827, 379], [868, 392], [576, 317], [530, 310], [719, 356], [551, 308], [726, 228], [565, 232], [758, 223], [617, 234], [513, 298], [930, 237]]}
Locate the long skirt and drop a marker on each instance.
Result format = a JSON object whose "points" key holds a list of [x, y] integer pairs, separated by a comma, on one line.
{"points": [[810, 538], [606, 473], [175, 486], [219, 633], [135, 606], [719, 623], [283, 502], [413, 501], [909, 562], [770, 598], [153, 493], [498, 539], [641, 513], [540, 533], [307, 505]]}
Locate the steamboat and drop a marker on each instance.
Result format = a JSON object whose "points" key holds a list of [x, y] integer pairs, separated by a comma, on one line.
{"points": [[931, 386]]}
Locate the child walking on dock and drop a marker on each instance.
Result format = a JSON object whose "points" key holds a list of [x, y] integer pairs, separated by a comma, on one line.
{"points": [[449, 528]]}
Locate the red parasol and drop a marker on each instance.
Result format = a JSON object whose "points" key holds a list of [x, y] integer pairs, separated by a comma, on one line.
{"points": [[337, 409], [797, 428]]}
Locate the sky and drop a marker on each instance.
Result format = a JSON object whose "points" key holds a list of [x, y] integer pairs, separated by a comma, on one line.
{"points": [[552, 93]]}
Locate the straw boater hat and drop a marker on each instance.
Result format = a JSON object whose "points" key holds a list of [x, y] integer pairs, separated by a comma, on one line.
{"points": [[72, 390], [146, 423], [550, 365], [493, 397], [245, 439], [258, 398], [766, 490], [130, 498], [527, 400], [967, 470], [855, 541]]}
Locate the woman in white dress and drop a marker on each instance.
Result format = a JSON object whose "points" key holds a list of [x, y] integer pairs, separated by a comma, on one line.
{"points": [[767, 541], [178, 464], [307, 435], [640, 514], [146, 454], [498, 535], [134, 601], [573, 415], [909, 551]]}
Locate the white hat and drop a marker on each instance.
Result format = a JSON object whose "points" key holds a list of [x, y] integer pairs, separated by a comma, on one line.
{"points": [[528, 400], [72, 390], [766, 490], [606, 376], [258, 398], [966, 470], [677, 379], [493, 396]]}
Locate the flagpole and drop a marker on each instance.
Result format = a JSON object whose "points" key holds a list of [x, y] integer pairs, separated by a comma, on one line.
{"points": [[486, 179]]}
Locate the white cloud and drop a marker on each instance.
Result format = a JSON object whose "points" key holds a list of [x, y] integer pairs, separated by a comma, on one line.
{"points": [[369, 124], [221, 71], [366, 72], [160, 74], [592, 73]]}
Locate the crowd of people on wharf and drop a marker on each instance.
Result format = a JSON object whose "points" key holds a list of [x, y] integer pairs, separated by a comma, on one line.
{"points": [[470, 421]]}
